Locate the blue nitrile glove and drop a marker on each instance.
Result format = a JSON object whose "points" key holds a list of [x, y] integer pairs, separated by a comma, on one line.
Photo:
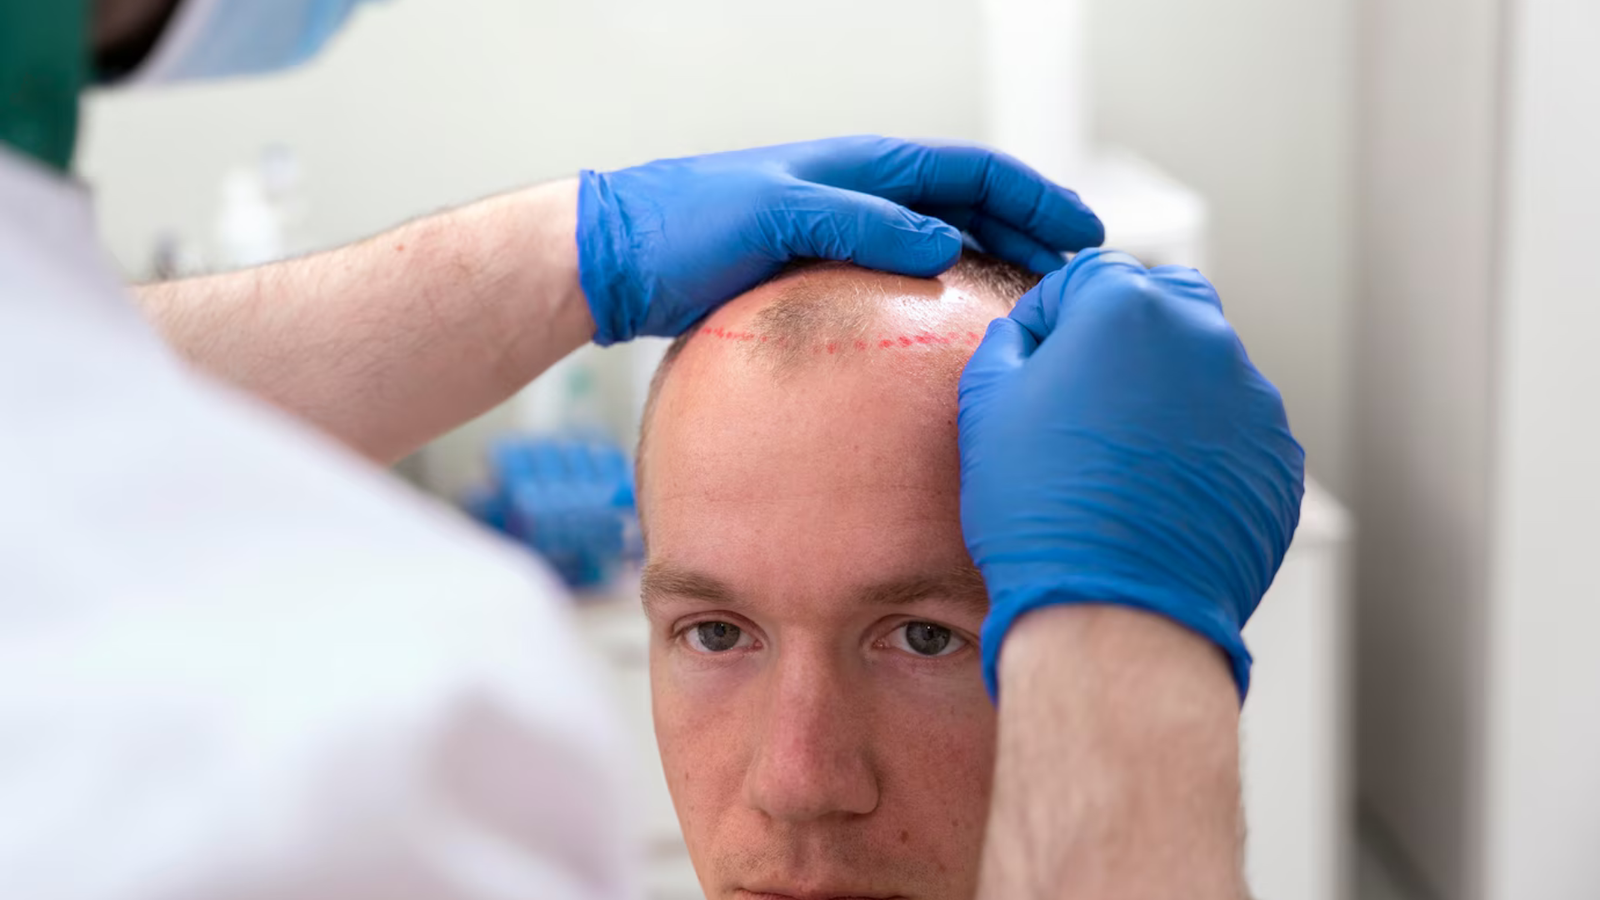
{"points": [[662, 244], [1118, 446]]}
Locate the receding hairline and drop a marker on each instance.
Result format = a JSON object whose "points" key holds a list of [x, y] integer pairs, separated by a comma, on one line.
{"points": [[794, 317]]}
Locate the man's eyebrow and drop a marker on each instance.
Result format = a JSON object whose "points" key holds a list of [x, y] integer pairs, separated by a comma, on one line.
{"points": [[662, 580], [962, 585]]}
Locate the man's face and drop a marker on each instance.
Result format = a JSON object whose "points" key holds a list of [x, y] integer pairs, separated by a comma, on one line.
{"points": [[818, 700]]}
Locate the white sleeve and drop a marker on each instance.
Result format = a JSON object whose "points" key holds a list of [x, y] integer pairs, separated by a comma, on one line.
{"points": [[256, 670], [362, 752]]}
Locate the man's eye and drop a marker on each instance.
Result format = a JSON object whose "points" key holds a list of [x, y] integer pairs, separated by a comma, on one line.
{"points": [[926, 639], [716, 637]]}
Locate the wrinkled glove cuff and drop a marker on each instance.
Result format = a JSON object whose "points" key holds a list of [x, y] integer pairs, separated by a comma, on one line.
{"points": [[1213, 625], [602, 270]]}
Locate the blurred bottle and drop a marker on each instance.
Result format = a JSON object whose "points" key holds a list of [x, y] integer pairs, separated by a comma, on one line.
{"points": [[172, 257], [249, 230], [260, 210], [282, 180]]}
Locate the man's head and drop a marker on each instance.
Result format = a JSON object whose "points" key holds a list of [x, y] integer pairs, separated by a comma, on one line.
{"points": [[822, 717]]}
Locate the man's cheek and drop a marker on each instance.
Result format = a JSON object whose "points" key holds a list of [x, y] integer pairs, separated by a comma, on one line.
{"points": [[709, 686], [935, 696], [945, 749], [702, 716], [948, 798], [703, 737]]}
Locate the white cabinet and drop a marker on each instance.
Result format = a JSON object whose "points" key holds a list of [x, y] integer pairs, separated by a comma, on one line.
{"points": [[1294, 736]]}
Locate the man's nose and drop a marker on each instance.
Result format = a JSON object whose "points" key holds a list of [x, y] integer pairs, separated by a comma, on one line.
{"points": [[813, 757]]}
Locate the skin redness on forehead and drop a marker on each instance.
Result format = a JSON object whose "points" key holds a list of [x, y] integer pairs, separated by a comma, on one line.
{"points": [[855, 345]]}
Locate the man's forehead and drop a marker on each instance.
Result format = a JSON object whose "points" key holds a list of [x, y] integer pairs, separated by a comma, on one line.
{"points": [[736, 446], [845, 447], [823, 369]]}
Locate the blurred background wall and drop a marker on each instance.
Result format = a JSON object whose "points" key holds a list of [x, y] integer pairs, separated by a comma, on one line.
{"points": [[424, 104], [1540, 822], [1478, 687], [1251, 102], [1429, 152]]}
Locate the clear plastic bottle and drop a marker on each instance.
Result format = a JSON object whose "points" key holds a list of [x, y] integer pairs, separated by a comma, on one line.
{"points": [[249, 229]]}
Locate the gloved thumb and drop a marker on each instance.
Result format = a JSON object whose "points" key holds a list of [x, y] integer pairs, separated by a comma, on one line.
{"points": [[1003, 350], [874, 233]]}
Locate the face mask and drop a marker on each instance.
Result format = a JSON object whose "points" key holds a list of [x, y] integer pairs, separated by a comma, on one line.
{"points": [[219, 38], [43, 65]]}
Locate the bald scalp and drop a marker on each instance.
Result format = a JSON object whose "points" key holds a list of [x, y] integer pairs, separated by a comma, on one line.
{"points": [[831, 311]]}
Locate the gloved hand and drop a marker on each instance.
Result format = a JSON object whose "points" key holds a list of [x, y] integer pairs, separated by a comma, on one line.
{"points": [[1118, 446], [662, 244]]}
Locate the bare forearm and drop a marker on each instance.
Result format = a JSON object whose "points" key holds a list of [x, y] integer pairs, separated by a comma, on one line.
{"points": [[388, 343], [1118, 767]]}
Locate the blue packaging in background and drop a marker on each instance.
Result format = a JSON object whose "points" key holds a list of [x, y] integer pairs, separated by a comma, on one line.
{"points": [[569, 499]]}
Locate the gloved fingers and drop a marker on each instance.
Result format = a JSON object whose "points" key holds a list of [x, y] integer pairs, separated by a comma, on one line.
{"points": [[1006, 345], [986, 181], [830, 223], [959, 216], [1040, 309], [1036, 312], [1097, 264], [999, 239], [1015, 247], [1189, 283], [1204, 308]]}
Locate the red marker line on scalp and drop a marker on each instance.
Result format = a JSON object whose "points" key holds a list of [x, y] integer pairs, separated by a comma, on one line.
{"points": [[887, 342]]}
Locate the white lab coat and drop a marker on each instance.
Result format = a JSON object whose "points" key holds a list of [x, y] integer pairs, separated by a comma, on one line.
{"points": [[236, 661]]}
